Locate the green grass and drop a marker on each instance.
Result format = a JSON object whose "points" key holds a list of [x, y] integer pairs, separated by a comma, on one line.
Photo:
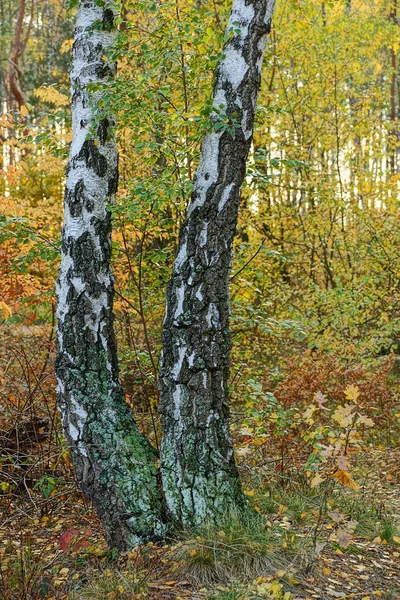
{"points": [[233, 592], [387, 529], [392, 594], [371, 523]]}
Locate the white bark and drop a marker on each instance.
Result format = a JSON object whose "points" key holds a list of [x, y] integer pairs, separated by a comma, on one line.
{"points": [[199, 474], [114, 463]]}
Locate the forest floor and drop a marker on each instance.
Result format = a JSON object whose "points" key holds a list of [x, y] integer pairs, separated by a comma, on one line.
{"points": [[310, 542], [53, 548]]}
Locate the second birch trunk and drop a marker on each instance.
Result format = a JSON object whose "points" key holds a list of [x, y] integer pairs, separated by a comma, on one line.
{"points": [[199, 475]]}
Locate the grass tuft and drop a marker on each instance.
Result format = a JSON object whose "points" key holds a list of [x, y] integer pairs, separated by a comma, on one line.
{"points": [[114, 585], [388, 529], [241, 549]]}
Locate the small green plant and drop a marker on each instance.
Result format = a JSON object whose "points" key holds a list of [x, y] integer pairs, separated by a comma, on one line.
{"points": [[387, 529], [46, 485]]}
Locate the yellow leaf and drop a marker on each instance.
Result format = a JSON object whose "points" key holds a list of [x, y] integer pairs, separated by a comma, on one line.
{"points": [[345, 478], [6, 309], [365, 421], [275, 589], [396, 539], [344, 415], [315, 481], [261, 580], [249, 492], [281, 573], [352, 392], [66, 46], [307, 414]]}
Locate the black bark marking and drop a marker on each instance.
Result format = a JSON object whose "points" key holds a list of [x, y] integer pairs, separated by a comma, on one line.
{"points": [[92, 157], [108, 20]]}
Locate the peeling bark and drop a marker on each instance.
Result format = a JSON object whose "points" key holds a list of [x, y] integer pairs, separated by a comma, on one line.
{"points": [[199, 475], [114, 463]]}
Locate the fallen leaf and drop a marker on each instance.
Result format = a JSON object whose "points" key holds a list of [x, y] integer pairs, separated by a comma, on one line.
{"points": [[315, 481]]}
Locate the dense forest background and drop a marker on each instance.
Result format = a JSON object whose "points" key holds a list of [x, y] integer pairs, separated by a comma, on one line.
{"points": [[315, 292]]}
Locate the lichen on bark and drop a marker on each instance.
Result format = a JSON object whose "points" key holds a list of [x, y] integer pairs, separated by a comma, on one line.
{"points": [[199, 474], [114, 462]]}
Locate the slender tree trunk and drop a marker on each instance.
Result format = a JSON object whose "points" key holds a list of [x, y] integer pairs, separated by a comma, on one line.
{"points": [[393, 132], [114, 462], [199, 475], [18, 46]]}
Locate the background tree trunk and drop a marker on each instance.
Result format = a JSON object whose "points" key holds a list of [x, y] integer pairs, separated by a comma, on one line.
{"points": [[393, 132], [17, 50], [198, 469], [114, 462]]}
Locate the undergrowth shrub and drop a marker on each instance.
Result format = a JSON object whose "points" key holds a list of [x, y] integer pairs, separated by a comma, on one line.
{"points": [[32, 453], [321, 413], [378, 389]]}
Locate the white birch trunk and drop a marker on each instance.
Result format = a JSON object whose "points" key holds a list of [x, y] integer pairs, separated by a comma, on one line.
{"points": [[114, 463], [199, 475]]}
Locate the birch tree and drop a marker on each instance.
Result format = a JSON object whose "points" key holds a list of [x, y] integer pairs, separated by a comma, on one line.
{"points": [[199, 475], [114, 462]]}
